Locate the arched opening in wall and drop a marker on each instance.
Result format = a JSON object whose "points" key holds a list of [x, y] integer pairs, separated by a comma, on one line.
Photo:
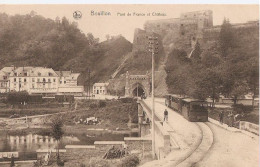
{"points": [[138, 91]]}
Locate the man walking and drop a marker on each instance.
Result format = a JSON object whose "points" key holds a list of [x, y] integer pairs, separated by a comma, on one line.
{"points": [[231, 119], [166, 115], [221, 116]]}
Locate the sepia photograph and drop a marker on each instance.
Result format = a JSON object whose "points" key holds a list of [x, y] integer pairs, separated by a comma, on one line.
{"points": [[129, 85]]}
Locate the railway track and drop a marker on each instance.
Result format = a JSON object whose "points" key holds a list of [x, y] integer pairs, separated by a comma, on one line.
{"points": [[203, 145]]}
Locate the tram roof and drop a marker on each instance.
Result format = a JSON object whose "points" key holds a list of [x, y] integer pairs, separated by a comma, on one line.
{"points": [[174, 95], [192, 100]]}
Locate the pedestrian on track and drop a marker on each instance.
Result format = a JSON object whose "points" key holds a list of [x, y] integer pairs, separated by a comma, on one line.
{"points": [[165, 115], [221, 116], [231, 119]]}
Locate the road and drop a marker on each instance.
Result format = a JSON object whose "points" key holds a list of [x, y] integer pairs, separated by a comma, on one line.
{"points": [[227, 149]]}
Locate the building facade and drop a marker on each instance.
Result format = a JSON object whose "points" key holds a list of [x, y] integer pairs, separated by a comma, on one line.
{"points": [[39, 80], [100, 88]]}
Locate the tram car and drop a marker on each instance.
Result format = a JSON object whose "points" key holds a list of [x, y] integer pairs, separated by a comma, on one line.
{"points": [[193, 110]]}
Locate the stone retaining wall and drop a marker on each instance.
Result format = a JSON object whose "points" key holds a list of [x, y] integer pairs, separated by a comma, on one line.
{"points": [[253, 128], [139, 145]]}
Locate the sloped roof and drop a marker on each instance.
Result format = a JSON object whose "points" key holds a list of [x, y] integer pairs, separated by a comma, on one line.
{"points": [[69, 74], [34, 71], [7, 69], [63, 73], [101, 84]]}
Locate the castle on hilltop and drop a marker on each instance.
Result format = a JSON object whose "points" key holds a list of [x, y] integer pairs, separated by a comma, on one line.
{"points": [[196, 20], [183, 32]]}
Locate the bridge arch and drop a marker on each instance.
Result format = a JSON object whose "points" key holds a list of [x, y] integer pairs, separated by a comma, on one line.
{"points": [[138, 90], [137, 85]]}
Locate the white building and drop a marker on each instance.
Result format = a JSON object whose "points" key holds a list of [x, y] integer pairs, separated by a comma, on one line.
{"points": [[40, 80], [68, 83], [100, 88]]}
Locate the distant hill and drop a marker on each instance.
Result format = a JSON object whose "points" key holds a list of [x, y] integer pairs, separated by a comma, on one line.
{"points": [[32, 40]]}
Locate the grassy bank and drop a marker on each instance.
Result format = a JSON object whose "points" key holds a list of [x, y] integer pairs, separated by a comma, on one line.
{"points": [[32, 109]]}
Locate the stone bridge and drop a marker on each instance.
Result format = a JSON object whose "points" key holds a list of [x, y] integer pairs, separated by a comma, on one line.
{"points": [[164, 139]]}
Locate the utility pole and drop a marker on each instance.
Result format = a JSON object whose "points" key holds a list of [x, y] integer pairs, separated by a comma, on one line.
{"points": [[89, 83], [153, 48]]}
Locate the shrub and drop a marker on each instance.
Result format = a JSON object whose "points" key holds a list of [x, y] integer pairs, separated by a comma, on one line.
{"points": [[17, 97], [102, 104], [126, 100], [239, 108], [93, 105], [98, 162], [130, 161]]}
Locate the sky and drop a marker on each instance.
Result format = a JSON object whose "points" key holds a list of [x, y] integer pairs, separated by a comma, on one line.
{"points": [[116, 24]]}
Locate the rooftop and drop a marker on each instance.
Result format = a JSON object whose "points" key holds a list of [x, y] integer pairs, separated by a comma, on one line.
{"points": [[33, 71], [101, 84]]}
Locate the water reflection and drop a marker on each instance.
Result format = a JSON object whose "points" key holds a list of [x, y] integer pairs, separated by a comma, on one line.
{"points": [[27, 145], [33, 142]]}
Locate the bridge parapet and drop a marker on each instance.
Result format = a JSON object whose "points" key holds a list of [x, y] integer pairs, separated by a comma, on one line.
{"points": [[164, 139]]}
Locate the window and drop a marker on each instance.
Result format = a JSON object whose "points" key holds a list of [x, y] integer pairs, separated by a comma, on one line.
{"points": [[14, 79], [64, 82], [94, 87], [33, 85], [33, 79], [39, 74], [25, 74], [43, 79], [38, 79], [15, 74], [60, 82], [5, 77], [49, 80], [54, 80], [24, 79], [100, 87], [50, 74], [20, 79]]}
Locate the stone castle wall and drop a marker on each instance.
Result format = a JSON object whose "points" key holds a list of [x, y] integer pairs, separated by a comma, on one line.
{"points": [[183, 32]]}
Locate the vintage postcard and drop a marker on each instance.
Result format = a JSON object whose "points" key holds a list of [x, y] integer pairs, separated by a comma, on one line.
{"points": [[130, 85]]}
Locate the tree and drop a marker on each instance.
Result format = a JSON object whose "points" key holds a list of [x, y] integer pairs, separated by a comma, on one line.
{"points": [[92, 40], [226, 37], [57, 132], [12, 161], [107, 37], [253, 77], [196, 52], [239, 88]]}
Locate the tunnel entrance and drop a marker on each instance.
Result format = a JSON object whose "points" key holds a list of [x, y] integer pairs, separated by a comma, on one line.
{"points": [[138, 92]]}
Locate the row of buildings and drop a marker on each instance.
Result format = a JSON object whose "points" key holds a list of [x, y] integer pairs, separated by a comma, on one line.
{"points": [[39, 80]]}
